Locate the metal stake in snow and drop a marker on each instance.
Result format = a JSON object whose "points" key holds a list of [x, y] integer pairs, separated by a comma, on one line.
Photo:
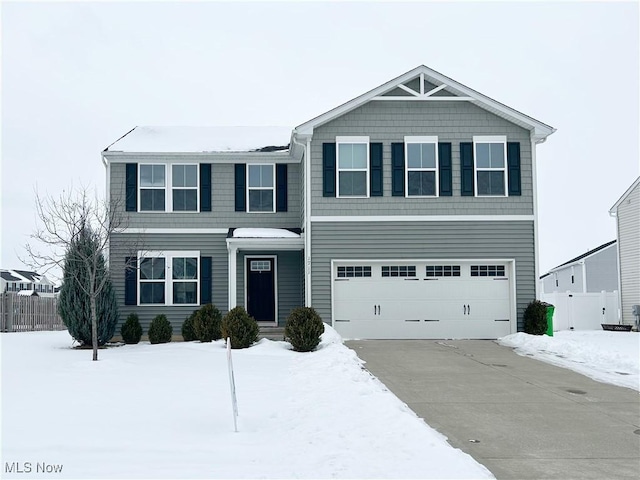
{"points": [[232, 384]]}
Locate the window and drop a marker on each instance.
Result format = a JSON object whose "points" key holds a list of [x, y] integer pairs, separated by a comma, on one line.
{"points": [[260, 265], [490, 163], [261, 191], [421, 166], [353, 166], [443, 270], [487, 270], [185, 188], [354, 271], [399, 271], [168, 278], [152, 188]]}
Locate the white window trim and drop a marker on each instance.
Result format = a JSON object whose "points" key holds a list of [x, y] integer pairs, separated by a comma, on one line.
{"points": [[168, 188], [168, 280], [490, 139], [359, 140], [420, 139], [273, 188], [196, 188]]}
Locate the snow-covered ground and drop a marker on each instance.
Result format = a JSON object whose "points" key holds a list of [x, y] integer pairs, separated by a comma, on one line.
{"points": [[164, 411], [610, 357]]}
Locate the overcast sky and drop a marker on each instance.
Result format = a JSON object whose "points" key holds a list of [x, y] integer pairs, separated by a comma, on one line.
{"points": [[76, 76]]}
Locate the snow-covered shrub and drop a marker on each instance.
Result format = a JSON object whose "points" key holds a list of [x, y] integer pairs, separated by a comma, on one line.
{"points": [[131, 330], [188, 330], [535, 318], [240, 327], [206, 323], [160, 330], [303, 329]]}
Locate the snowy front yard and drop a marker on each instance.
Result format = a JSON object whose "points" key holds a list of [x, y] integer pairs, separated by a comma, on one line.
{"points": [[609, 357], [164, 411]]}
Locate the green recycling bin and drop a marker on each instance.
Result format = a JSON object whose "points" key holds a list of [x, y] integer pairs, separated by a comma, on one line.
{"points": [[550, 310]]}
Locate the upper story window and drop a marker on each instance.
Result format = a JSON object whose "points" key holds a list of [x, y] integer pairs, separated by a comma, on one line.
{"points": [[184, 184], [353, 166], [422, 166], [261, 188], [490, 154], [152, 188], [182, 196]]}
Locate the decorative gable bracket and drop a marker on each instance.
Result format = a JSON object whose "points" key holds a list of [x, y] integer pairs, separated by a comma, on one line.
{"points": [[422, 95]]}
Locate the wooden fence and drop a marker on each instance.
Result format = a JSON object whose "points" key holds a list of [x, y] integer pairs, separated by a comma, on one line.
{"points": [[28, 314]]}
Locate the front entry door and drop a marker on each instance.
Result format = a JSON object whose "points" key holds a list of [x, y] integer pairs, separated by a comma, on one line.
{"points": [[261, 301]]}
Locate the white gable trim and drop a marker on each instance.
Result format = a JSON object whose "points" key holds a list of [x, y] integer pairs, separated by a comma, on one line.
{"points": [[614, 210], [539, 129]]}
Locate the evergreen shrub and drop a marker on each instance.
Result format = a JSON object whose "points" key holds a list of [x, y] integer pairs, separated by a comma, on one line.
{"points": [[206, 323], [303, 329], [535, 318], [188, 330], [240, 327], [160, 330], [131, 330]]}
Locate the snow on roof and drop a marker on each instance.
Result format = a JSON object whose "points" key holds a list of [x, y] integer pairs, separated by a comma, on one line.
{"points": [[263, 233], [28, 293], [202, 139]]}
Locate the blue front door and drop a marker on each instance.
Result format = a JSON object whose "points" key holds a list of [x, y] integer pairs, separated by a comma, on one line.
{"points": [[261, 301]]}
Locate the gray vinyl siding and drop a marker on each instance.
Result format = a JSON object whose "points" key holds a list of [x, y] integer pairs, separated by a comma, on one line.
{"points": [[223, 212], [209, 245], [602, 270], [629, 244], [389, 122], [290, 289], [426, 240]]}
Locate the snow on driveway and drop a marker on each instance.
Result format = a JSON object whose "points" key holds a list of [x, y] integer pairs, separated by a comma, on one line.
{"points": [[164, 411], [609, 357]]}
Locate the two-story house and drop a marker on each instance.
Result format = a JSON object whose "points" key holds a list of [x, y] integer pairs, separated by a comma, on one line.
{"points": [[407, 212], [24, 282]]}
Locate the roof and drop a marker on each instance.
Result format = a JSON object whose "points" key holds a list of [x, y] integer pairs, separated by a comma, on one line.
{"points": [[31, 276], [6, 275], [453, 88], [24, 276], [581, 257], [613, 210], [202, 139], [264, 233]]}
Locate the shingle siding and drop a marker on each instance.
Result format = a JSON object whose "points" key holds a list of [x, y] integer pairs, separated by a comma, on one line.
{"points": [[426, 240], [389, 122]]}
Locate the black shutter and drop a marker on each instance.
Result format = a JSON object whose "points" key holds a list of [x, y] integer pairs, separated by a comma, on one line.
{"points": [[205, 187], [131, 187], [466, 169], [130, 281], [281, 187], [375, 169], [241, 181], [444, 159], [397, 169], [328, 169], [206, 284], [513, 162]]}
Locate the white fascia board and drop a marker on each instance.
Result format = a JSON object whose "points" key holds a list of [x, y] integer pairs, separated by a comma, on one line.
{"points": [[202, 157], [614, 210], [423, 218], [176, 231], [265, 243], [540, 130]]}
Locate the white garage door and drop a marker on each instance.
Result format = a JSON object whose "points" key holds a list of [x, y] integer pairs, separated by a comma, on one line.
{"points": [[422, 299]]}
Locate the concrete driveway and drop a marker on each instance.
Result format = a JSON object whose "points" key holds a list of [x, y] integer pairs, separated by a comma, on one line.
{"points": [[519, 417]]}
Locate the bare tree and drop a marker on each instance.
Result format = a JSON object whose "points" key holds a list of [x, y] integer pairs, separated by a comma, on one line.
{"points": [[62, 223]]}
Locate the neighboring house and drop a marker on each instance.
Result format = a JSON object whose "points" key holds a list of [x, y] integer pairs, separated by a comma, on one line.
{"points": [[594, 271], [25, 283], [407, 212], [627, 213]]}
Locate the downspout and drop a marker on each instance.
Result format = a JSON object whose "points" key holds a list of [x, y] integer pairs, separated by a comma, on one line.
{"points": [[619, 313], [307, 218], [107, 194], [536, 241], [584, 276]]}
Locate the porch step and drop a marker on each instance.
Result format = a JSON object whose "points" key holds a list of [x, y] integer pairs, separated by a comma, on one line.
{"points": [[272, 333]]}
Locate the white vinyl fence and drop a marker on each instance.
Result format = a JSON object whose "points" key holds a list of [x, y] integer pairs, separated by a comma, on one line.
{"points": [[28, 314], [583, 311]]}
